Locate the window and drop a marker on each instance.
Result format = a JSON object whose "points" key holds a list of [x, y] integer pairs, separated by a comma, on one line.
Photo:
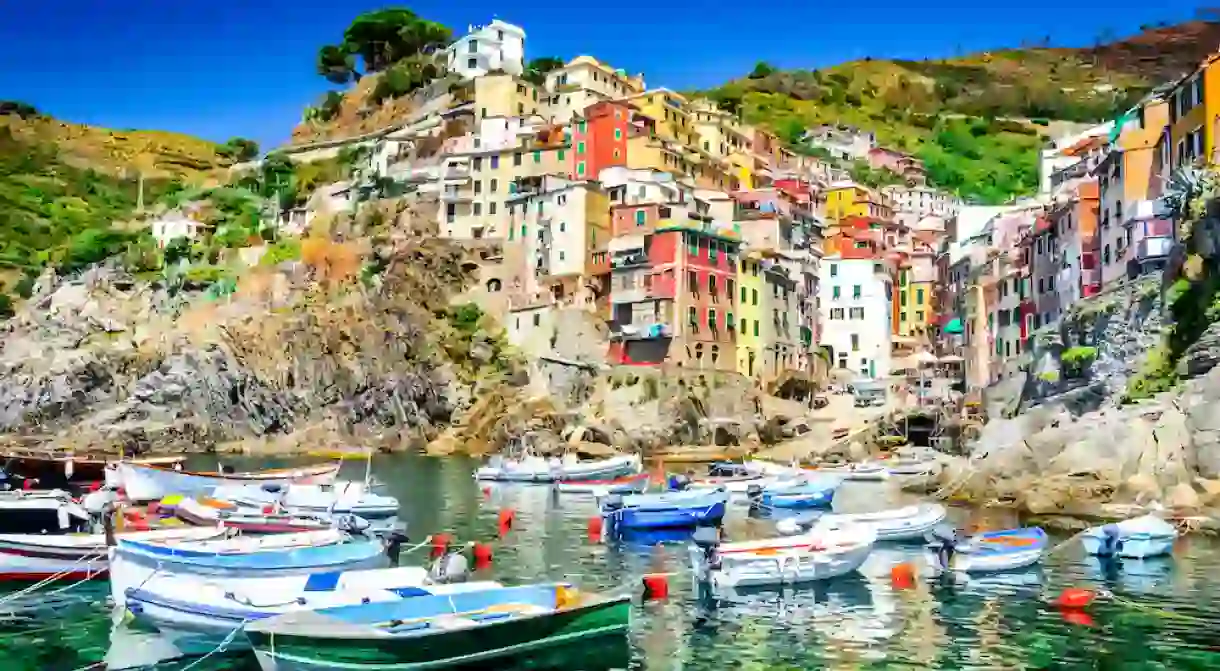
{"points": [[451, 212], [491, 208], [473, 47], [902, 279], [712, 246], [855, 342], [693, 316], [472, 64], [756, 328], [856, 313], [919, 294], [692, 244], [640, 217], [494, 186], [580, 127], [836, 313], [618, 134], [478, 209], [580, 168], [711, 284], [561, 154], [495, 162], [834, 270], [517, 158], [730, 288], [754, 296], [902, 298], [855, 291], [580, 148], [478, 163], [478, 187], [537, 157], [522, 231], [562, 227], [561, 255], [711, 318], [834, 292], [919, 316], [692, 281], [743, 295]]}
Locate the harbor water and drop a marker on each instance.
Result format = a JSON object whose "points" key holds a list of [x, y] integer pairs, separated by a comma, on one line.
{"points": [[1163, 616]]}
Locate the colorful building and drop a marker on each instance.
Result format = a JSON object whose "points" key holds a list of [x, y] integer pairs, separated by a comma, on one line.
{"points": [[750, 313], [848, 199], [1194, 111]]}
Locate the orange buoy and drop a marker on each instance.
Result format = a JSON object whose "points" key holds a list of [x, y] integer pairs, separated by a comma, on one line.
{"points": [[440, 543], [482, 555], [1075, 598], [595, 528], [902, 576], [656, 586], [1076, 617], [506, 520]]}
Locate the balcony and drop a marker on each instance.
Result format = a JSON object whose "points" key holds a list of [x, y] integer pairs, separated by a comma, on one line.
{"points": [[640, 331], [1147, 209], [628, 259], [456, 196], [1153, 248]]}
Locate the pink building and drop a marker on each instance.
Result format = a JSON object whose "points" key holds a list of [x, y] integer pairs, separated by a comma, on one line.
{"points": [[909, 167]]}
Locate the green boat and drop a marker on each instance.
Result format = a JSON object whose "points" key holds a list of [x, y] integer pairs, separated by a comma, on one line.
{"points": [[432, 632]]}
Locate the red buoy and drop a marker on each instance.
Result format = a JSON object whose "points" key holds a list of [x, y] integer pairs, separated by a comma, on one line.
{"points": [[482, 555], [506, 520], [1075, 598], [1076, 617], [656, 586], [268, 509], [440, 543], [487, 492], [595, 528], [902, 576]]}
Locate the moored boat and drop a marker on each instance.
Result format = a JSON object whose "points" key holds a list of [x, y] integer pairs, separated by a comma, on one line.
{"points": [[143, 482], [822, 554], [665, 511], [1136, 538], [340, 498], [896, 524], [630, 484], [533, 468], [470, 628], [209, 512], [1006, 550], [865, 472], [75, 556], [132, 562], [188, 602], [801, 494]]}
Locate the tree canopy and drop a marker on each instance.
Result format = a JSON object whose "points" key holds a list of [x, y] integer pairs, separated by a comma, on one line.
{"points": [[539, 68], [239, 149], [380, 39]]}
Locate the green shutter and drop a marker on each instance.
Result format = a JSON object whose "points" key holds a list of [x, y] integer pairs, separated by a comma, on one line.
{"points": [[756, 327], [561, 154]]}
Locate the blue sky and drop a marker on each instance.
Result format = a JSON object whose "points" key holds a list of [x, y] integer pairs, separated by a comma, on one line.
{"points": [[229, 68]]}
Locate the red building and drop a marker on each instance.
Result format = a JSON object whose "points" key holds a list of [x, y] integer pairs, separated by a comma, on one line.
{"points": [[600, 140], [672, 288]]}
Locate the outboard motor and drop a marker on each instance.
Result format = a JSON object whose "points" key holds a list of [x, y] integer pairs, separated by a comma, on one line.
{"points": [[754, 495], [940, 548], [272, 488], [394, 538], [679, 482], [707, 540], [352, 524], [1111, 540], [226, 469], [451, 567], [612, 509]]}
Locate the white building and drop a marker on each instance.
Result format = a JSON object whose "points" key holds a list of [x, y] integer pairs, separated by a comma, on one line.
{"points": [[584, 81], [856, 298], [842, 142], [558, 222], [915, 203], [496, 46], [173, 225]]}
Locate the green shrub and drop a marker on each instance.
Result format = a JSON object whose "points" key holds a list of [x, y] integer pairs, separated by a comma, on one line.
{"points": [[283, 250]]}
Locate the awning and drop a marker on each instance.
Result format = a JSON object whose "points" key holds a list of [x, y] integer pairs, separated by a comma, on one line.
{"points": [[954, 326]]}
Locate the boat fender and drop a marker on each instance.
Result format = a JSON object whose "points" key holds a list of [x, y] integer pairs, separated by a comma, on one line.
{"points": [[450, 568], [942, 541], [353, 524], [1111, 537]]}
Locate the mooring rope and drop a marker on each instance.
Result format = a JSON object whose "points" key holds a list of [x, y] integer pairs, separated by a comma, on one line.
{"points": [[219, 648], [47, 580]]}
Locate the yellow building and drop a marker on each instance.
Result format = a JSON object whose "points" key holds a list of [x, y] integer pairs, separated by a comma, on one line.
{"points": [[1194, 107], [495, 95], [848, 199], [749, 316], [722, 136], [914, 304]]}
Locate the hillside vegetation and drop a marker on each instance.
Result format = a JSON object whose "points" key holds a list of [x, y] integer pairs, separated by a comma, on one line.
{"points": [[64, 185], [977, 121]]}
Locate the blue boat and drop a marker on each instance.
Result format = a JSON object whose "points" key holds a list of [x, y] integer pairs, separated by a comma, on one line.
{"points": [[1007, 550], [805, 494], [669, 510], [1146, 536]]}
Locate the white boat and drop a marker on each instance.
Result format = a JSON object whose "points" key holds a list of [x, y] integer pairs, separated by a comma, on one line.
{"points": [[910, 467], [340, 498], [865, 472], [247, 520], [133, 563], [76, 556], [143, 482], [896, 524], [822, 554], [187, 602], [538, 469], [1007, 550], [628, 484], [1136, 538]]}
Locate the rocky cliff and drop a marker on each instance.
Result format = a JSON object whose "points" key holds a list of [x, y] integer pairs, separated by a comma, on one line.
{"points": [[1121, 404]]}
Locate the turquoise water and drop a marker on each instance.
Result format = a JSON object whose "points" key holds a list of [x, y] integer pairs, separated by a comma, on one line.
{"points": [[1164, 617]]}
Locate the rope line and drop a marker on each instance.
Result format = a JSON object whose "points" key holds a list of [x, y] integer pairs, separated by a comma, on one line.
{"points": [[48, 580]]}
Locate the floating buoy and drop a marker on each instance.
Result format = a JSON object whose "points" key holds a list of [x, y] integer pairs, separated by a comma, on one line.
{"points": [[487, 492], [482, 555], [902, 576], [596, 524], [440, 543], [1076, 617], [268, 509], [1075, 598], [656, 586], [506, 520]]}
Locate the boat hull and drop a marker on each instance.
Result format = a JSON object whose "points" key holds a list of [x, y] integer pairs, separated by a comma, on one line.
{"points": [[799, 500], [672, 518], [790, 568], [603, 470], [150, 483], [1132, 547], [629, 485], [921, 520], [26, 568], [994, 552], [478, 645]]}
